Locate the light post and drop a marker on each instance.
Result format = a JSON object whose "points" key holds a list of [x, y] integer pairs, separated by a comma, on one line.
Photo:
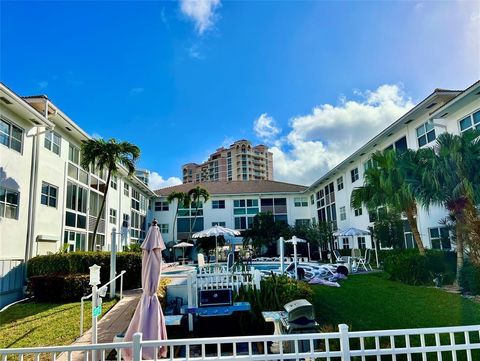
{"points": [[282, 255], [94, 282]]}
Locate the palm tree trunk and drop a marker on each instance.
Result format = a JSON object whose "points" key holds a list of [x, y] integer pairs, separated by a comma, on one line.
{"points": [[459, 230], [175, 220], [413, 226], [97, 222], [192, 226]]}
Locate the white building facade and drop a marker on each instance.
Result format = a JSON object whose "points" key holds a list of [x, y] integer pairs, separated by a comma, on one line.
{"points": [[48, 202]]}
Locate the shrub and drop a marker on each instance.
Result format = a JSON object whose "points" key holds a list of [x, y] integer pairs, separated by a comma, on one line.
{"points": [[59, 288], [79, 262], [409, 267], [469, 279]]}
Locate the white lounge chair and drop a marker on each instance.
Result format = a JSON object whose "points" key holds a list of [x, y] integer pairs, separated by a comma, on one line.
{"points": [[365, 261]]}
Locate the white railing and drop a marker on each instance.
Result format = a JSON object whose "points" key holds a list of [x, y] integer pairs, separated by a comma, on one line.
{"points": [[213, 277], [445, 343], [102, 290]]}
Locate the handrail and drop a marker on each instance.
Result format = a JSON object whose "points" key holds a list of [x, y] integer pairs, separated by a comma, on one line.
{"points": [[91, 294]]}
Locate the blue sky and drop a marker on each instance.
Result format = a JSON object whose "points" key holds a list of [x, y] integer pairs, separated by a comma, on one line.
{"points": [[180, 79]]}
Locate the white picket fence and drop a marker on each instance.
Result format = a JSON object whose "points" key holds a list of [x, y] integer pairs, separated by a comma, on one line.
{"points": [[447, 343], [211, 278]]}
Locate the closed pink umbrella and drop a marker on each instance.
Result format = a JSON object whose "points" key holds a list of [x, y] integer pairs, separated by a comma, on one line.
{"points": [[148, 317]]}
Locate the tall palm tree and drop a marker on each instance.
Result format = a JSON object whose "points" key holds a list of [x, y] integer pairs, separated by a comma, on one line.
{"points": [[450, 176], [181, 198], [196, 195], [384, 185], [107, 155]]}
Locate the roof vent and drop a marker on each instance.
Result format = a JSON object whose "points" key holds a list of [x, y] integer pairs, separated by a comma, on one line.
{"points": [[408, 121], [362, 154], [444, 115], [67, 128], [389, 135], [5, 100], [431, 105]]}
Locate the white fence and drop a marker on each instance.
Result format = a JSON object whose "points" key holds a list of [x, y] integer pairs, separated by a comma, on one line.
{"points": [[211, 278], [448, 343]]}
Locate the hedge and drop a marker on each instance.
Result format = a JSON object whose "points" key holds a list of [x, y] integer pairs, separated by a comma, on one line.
{"points": [[469, 279], [409, 267], [58, 287], [79, 263]]}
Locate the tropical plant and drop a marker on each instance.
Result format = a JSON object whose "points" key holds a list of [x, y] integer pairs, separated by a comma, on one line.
{"points": [[449, 175], [265, 231], [197, 195], [388, 229], [385, 186], [318, 234], [183, 199], [99, 154]]}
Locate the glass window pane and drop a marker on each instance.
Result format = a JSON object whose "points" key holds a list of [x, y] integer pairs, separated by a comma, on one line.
{"points": [[434, 233], [431, 136], [422, 141], [16, 145], [70, 219], [11, 212], [2, 194], [420, 131], [44, 199], [465, 123], [12, 197]]}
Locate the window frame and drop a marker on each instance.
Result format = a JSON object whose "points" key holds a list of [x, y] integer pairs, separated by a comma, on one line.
{"points": [[112, 217], [53, 135], [5, 203], [473, 125], [48, 195], [358, 212], [217, 204], [340, 185], [425, 134], [12, 125], [354, 173]]}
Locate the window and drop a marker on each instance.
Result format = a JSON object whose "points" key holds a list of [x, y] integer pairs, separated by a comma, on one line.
{"points": [[425, 134], [11, 135], [9, 202], [113, 182], [75, 241], [343, 213], [247, 209], [302, 222], [339, 183], [221, 224], [113, 216], [312, 199], [358, 212], [161, 206], [300, 202], [126, 189], [53, 142], [49, 195], [440, 238], [76, 204], [164, 228], [73, 154], [362, 244], [219, 204], [126, 220], [354, 174], [345, 243], [470, 122]]}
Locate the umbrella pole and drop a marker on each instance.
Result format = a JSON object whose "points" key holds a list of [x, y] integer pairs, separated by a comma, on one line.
{"points": [[295, 259], [216, 248]]}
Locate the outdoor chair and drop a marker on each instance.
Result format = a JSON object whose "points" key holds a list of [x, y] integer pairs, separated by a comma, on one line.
{"points": [[365, 261], [338, 257], [356, 253], [201, 260]]}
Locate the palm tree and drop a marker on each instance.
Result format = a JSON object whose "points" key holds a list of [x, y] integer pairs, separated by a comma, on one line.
{"points": [[181, 198], [196, 195], [449, 176], [107, 155], [384, 185]]}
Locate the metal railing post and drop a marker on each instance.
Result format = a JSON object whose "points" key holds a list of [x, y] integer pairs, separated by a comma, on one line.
{"points": [[121, 284], [344, 342], [190, 300], [81, 316], [137, 346], [113, 261]]}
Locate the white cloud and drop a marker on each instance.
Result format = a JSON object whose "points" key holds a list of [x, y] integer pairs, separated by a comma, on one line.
{"points": [[156, 181], [202, 12], [321, 139], [265, 128]]}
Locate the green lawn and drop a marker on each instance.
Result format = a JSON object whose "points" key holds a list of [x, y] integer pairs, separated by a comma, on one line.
{"points": [[371, 302], [44, 324]]}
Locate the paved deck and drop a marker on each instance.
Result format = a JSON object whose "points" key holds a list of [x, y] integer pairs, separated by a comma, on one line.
{"points": [[113, 323]]}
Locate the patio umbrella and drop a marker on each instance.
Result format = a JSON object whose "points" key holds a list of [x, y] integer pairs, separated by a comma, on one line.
{"points": [[148, 317], [183, 245], [294, 241], [354, 232], [216, 231]]}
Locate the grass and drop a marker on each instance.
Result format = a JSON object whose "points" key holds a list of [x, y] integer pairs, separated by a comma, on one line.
{"points": [[372, 302], [44, 324]]}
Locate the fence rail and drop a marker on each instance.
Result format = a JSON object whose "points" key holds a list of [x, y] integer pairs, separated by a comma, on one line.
{"points": [[447, 343]]}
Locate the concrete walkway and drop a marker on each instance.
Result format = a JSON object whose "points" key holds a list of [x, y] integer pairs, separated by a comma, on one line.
{"points": [[114, 322]]}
